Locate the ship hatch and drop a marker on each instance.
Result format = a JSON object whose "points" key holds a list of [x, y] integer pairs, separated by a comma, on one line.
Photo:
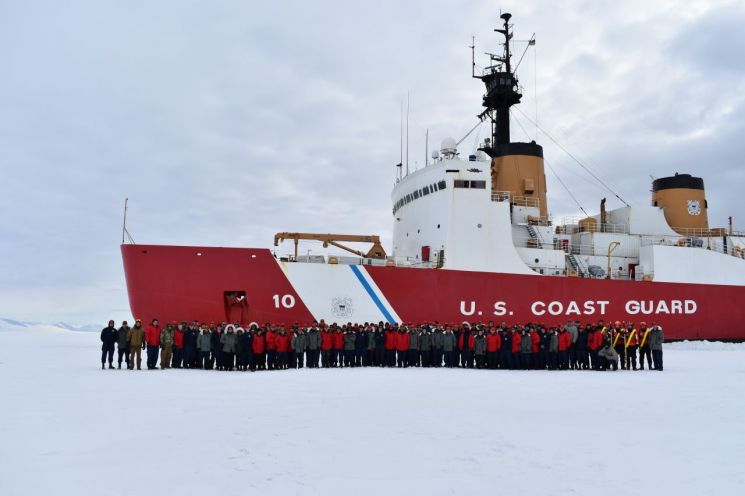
{"points": [[236, 307]]}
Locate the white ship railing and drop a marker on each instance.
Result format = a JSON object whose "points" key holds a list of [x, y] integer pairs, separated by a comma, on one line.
{"points": [[519, 200]]}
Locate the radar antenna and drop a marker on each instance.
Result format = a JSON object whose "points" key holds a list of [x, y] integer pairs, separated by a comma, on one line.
{"points": [[502, 91]]}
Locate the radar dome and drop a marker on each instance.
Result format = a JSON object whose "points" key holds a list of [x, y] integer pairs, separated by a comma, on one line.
{"points": [[448, 147]]}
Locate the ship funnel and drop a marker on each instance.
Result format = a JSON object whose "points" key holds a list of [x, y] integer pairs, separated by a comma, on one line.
{"points": [[683, 200]]}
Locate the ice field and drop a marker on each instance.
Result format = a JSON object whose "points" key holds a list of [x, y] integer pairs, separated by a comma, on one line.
{"points": [[69, 428]]}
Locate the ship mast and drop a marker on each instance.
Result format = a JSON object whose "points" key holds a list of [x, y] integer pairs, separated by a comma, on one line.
{"points": [[502, 91]]}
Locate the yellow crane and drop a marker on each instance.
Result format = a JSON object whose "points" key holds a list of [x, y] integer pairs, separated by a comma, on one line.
{"points": [[376, 251]]}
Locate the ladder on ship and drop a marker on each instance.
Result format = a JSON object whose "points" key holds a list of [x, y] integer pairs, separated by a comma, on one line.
{"points": [[535, 237], [576, 265]]}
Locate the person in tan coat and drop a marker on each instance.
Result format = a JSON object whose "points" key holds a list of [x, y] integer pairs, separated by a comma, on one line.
{"points": [[136, 340]]}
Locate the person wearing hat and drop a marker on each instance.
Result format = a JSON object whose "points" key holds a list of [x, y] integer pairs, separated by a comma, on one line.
{"points": [[516, 340], [618, 333], [402, 346], [448, 346], [644, 349], [299, 344], [553, 349], [152, 340], [108, 338], [465, 345], [136, 342], [656, 338], [215, 335], [122, 346], [573, 331], [259, 349]]}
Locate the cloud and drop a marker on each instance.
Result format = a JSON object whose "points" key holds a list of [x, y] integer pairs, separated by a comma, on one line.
{"points": [[225, 122]]}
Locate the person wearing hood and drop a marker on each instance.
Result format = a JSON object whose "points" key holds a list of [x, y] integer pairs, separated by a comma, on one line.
{"points": [[425, 347], [437, 346], [360, 346], [479, 349], [109, 336], [136, 341], [337, 357], [565, 343], [228, 340], [390, 347], [283, 349], [152, 339], [259, 349], [413, 353], [493, 343], [448, 347], [327, 347], [122, 345]]}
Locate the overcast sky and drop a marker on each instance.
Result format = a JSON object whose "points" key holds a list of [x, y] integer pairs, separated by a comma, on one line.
{"points": [[225, 122]]}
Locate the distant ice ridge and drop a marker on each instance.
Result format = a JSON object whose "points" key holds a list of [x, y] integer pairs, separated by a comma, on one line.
{"points": [[6, 323]]}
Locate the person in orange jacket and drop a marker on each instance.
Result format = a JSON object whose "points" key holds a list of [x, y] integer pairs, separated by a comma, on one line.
{"points": [[259, 350], [152, 339]]}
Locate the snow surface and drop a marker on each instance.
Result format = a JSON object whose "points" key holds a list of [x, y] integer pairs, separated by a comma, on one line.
{"points": [[69, 428]]}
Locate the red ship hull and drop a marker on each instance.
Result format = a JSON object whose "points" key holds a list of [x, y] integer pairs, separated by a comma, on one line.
{"points": [[250, 285]]}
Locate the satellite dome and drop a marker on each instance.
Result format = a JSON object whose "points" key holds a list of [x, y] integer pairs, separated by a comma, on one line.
{"points": [[448, 147]]}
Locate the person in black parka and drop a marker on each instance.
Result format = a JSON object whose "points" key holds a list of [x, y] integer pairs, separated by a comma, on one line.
{"points": [[109, 337]]}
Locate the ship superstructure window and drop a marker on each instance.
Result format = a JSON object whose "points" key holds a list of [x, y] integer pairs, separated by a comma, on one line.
{"points": [[464, 183], [426, 190]]}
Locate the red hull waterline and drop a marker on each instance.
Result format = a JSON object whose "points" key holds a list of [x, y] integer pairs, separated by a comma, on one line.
{"points": [[186, 283]]}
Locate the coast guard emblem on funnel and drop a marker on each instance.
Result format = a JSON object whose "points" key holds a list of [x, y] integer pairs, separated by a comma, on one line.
{"points": [[342, 307]]}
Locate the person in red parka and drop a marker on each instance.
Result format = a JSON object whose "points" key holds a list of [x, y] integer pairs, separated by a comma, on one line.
{"points": [[327, 346], [390, 347], [282, 340], [565, 341], [402, 346], [493, 344], [152, 339], [259, 350], [536, 347], [337, 354], [271, 347], [516, 340], [594, 339], [178, 347]]}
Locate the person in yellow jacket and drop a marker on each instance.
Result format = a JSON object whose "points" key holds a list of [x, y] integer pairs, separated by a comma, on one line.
{"points": [[644, 348], [632, 343]]}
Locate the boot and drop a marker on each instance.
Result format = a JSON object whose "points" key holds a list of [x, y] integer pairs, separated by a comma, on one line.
{"points": [[103, 366], [111, 365], [120, 365]]}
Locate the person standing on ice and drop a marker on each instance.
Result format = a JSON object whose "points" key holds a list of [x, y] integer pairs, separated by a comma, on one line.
{"points": [[108, 338], [516, 340], [644, 349], [166, 345], [178, 348], [571, 328], [553, 350], [402, 347], [215, 335], [136, 341], [313, 345], [228, 341], [632, 343], [479, 349], [152, 339], [656, 338], [526, 349], [122, 345], [448, 347], [204, 345], [259, 349]]}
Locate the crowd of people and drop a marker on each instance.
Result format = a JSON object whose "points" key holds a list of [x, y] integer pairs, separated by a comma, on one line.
{"points": [[226, 346]]}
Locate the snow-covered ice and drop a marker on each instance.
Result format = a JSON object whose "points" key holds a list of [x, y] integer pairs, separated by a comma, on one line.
{"points": [[69, 428]]}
